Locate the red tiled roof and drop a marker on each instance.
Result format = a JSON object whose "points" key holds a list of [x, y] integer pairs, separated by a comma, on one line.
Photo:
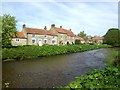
{"points": [[38, 31], [19, 35], [98, 38], [60, 30], [65, 31], [80, 38]]}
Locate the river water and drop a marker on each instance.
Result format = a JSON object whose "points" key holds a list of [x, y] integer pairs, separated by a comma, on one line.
{"points": [[52, 71]]}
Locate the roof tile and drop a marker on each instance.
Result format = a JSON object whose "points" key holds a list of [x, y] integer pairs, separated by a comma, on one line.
{"points": [[65, 31], [80, 38], [38, 31], [98, 38], [19, 35]]}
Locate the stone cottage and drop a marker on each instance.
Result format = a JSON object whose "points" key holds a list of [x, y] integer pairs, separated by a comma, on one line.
{"points": [[19, 39], [98, 40], [35, 36]]}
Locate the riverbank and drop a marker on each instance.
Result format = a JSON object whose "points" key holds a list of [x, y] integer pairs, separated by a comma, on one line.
{"points": [[22, 52], [109, 77]]}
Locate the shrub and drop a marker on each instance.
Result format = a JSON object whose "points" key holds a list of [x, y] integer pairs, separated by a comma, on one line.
{"points": [[21, 52], [112, 37], [109, 77]]}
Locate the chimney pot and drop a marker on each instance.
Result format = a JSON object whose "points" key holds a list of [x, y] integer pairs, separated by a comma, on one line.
{"points": [[45, 28], [53, 25], [60, 26], [24, 25]]}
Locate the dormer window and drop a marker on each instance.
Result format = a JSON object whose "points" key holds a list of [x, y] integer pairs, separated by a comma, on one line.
{"points": [[33, 35]]}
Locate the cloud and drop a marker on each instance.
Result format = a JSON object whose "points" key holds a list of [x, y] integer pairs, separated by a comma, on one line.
{"points": [[94, 18]]}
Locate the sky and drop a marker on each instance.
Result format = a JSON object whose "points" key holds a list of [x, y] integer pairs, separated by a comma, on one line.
{"points": [[95, 18]]}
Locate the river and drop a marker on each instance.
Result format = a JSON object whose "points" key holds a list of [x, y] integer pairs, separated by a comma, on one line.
{"points": [[52, 71]]}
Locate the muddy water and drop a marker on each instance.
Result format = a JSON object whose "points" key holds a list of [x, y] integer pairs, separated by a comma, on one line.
{"points": [[52, 71]]}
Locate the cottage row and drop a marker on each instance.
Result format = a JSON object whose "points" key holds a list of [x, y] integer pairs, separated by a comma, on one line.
{"points": [[54, 36]]}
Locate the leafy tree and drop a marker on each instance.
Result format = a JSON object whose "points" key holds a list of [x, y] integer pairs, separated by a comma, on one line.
{"points": [[83, 35], [8, 29], [112, 37]]}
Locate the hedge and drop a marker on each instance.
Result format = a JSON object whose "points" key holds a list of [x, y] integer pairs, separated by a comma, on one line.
{"points": [[21, 52]]}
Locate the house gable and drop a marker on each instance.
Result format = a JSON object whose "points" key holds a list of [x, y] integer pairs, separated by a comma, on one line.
{"points": [[19, 35], [53, 29]]}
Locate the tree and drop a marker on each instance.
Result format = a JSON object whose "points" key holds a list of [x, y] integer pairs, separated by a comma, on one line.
{"points": [[8, 29], [112, 37], [83, 35]]}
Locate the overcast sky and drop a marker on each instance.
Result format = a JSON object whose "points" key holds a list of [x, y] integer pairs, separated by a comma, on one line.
{"points": [[95, 18]]}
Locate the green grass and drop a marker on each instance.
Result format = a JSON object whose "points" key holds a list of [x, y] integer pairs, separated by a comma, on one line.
{"points": [[22, 52], [111, 56]]}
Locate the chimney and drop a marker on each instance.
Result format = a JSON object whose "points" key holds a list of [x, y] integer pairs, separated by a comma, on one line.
{"points": [[60, 26], [70, 29], [24, 25], [53, 25], [45, 28]]}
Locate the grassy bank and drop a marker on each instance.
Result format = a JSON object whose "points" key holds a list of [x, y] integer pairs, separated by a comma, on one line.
{"points": [[22, 52], [109, 77]]}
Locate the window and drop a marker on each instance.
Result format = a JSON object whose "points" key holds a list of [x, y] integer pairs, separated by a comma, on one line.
{"points": [[17, 40], [33, 35], [33, 41], [53, 41], [53, 37], [45, 41]]}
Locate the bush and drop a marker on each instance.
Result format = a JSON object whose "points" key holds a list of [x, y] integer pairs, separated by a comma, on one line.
{"points": [[112, 37], [116, 62], [109, 77], [21, 52]]}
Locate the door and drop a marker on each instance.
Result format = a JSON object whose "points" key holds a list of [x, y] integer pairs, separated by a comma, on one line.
{"points": [[40, 42]]}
